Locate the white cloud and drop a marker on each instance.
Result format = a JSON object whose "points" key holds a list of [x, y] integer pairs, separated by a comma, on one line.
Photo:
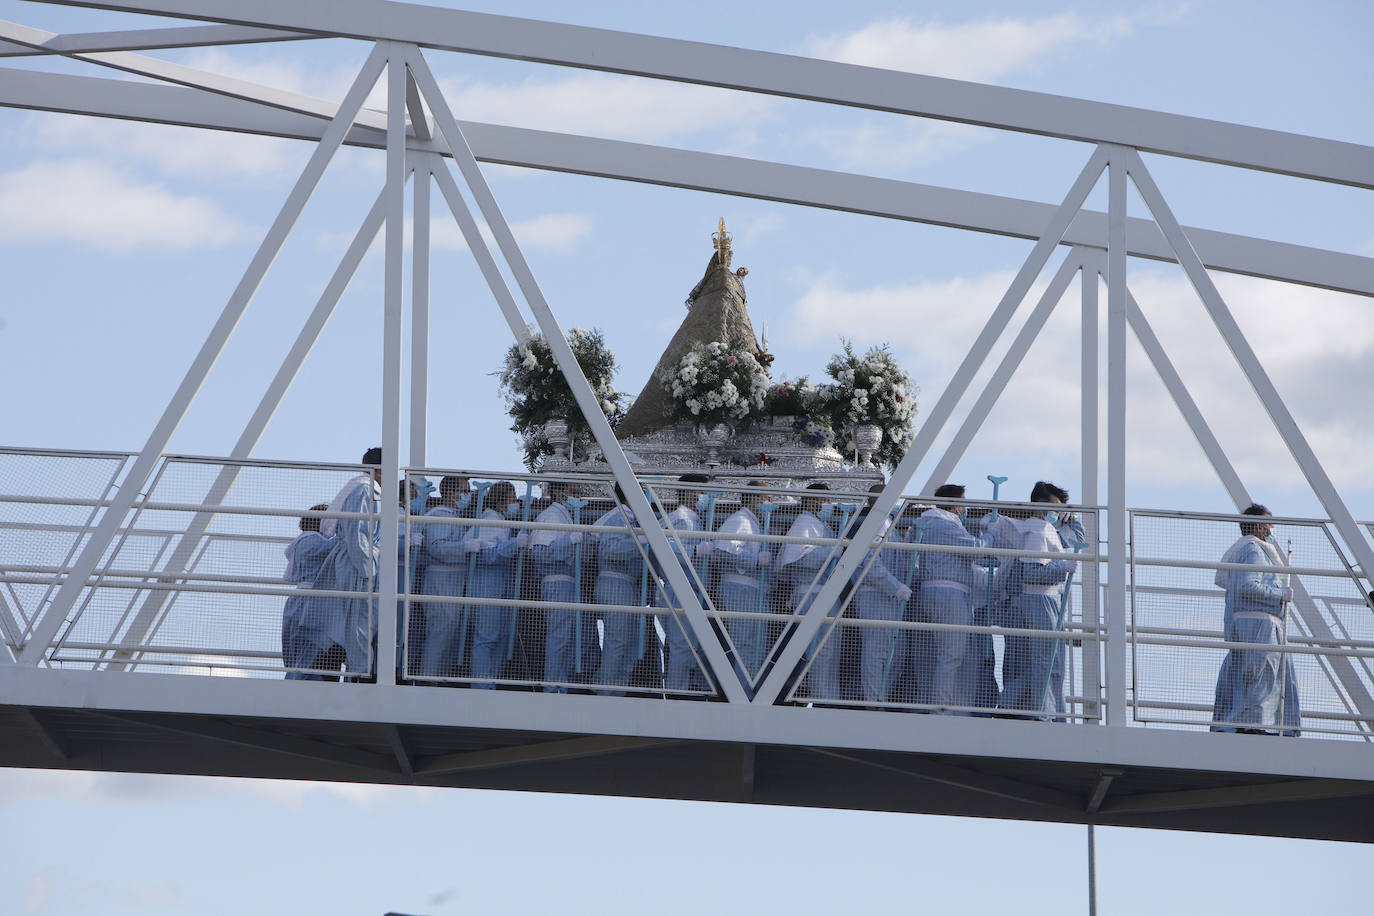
{"points": [[559, 232], [1317, 347], [36, 898], [88, 202], [18, 785], [985, 50], [176, 150], [606, 105]]}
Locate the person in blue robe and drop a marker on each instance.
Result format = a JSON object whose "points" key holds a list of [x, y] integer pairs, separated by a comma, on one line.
{"points": [[802, 569], [620, 580], [447, 546], [1035, 586], [493, 576], [303, 642], [681, 671], [734, 565], [881, 593], [556, 557], [948, 583], [352, 566], [1257, 692]]}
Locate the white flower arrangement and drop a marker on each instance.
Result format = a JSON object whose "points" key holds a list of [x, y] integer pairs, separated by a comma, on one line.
{"points": [[714, 383], [537, 392], [872, 390]]}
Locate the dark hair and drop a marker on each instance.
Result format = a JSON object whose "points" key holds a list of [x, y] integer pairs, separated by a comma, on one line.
{"points": [[1250, 529], [373, 456], [312, 522], [503, 492], [694, 478], [818, 485], [1044, 491], [451, 484], [950, 491]]}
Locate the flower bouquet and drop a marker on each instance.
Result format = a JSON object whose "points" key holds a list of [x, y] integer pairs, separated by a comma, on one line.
{"points": [[536, 391], [807, 405], [714, 384], [872, 390]]}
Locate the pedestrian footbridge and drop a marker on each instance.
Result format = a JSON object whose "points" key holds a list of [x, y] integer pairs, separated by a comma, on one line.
{"points": [[143, 595], [169, 660]]}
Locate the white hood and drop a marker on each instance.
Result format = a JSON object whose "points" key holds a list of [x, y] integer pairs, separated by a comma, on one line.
{"points": [[330, 526], [806, 526]]}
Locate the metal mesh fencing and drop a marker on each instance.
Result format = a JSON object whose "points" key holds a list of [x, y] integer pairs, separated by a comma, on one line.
{"points": [[543, 583], [948, 613], [548, 582], [212, 561], [48, 502], [1247, 623]]}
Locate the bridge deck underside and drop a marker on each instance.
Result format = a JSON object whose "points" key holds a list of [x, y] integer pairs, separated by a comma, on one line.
{"points": [[540, 761]]}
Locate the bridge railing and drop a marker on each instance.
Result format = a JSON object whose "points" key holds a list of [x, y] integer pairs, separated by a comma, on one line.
{"points": [[519, 595]]}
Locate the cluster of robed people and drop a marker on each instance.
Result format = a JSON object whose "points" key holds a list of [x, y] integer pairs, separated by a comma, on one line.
{"points": [[580, 553], [472, 543]]}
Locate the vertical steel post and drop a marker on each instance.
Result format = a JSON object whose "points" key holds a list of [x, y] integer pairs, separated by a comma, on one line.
{"points": [[393, 306], [1091, 605], [1116, 439], [1250, 364], [587, 402], [773, 685], [419, 315], [1011, 361], [139, 474]]}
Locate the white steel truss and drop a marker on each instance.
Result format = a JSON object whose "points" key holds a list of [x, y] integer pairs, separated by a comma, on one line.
{"points": [[1099, 245]]}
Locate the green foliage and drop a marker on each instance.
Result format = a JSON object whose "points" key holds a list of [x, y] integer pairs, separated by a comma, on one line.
{"points": [[536, 391]]}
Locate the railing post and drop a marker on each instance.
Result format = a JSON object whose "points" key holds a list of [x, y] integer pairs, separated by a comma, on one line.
{"points": [[1116, 439]]}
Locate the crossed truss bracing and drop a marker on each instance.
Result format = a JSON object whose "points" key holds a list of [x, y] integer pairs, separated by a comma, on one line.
{"points": [[423, 140]]}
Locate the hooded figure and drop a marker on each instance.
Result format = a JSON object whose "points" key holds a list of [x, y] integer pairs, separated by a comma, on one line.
{"points": [[447, 546], [681, 672], [620, 579], [804, 568], [881, 595], [1256, 689], [493, 576], [735, 564], [1036, 588], [949, 583], [352, 566], [304, 641], [556, 556]]}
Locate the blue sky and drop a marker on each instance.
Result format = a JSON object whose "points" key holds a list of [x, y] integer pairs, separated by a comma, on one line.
{"points": [[119, 244]]}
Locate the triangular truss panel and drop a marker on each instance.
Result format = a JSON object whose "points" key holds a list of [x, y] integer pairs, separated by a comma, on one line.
{"points": [[427, 148]]}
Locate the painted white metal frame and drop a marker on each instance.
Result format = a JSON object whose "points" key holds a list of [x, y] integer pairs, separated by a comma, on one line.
{"points": [[888, 198], [789, 76], [401, 29]]}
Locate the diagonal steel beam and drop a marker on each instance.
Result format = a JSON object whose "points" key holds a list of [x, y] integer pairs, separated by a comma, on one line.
{"points": [[196, 36], [790, 76], [730, 684], [248, 440], [962, 778], [774, 684], [1239, 796], [1250, 364], [997, 384], [472, 235], [1303, 605], [262, 739], [143, 466], [750, 178], [539, 752]]}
